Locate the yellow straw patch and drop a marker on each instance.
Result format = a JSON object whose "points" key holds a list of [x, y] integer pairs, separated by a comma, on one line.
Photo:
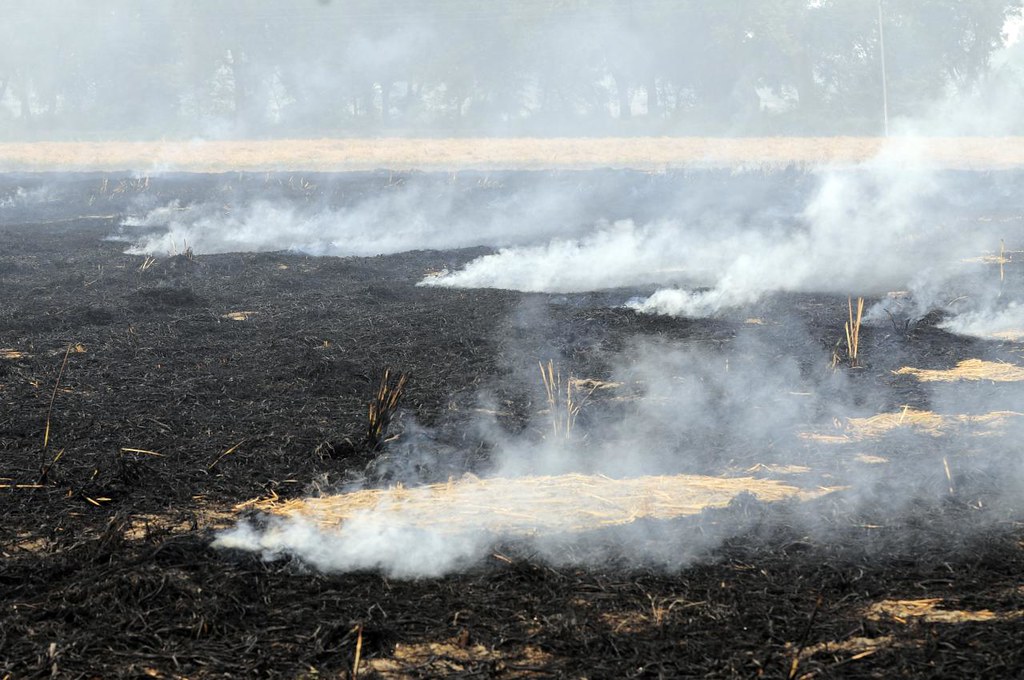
{"points": [[529, 505], [971, 369], [929, 611], [927, 422]]}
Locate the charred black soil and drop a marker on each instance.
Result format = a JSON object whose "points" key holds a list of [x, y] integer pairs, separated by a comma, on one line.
{"points": [[142, 400]]}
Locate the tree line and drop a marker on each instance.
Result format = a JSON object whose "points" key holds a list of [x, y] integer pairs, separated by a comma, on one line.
{"points": [[224, 68]]}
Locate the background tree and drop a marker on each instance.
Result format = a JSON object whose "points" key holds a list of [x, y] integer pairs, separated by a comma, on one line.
{"points": [[120, 68]]}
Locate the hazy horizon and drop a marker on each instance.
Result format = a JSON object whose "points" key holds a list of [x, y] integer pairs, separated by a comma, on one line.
{"points": [[117, 70]]}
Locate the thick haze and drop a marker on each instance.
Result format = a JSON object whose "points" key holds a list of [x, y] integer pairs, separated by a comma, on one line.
{"points": [[120, 69]]}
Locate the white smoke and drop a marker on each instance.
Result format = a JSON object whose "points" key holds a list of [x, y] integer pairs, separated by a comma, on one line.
{"points": [[861, 233], [371, 540], [990, 321], [21, 197], [411, 216], [886, 225], [614, 255]]}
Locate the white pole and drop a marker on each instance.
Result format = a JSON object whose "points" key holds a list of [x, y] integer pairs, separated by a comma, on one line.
{"points": [[885, 85]]}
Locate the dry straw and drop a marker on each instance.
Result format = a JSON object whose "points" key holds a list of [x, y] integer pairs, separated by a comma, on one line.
{"points": [[53, 396], [564, 402], [925, 422], [932, 610], [853, 330], [238, 316], [970, 369], [1001, 259], [528, 505]]}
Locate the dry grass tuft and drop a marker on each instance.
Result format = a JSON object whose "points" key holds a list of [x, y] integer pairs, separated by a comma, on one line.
{"points": [[564, 401], [970, 369], [852, 329]]}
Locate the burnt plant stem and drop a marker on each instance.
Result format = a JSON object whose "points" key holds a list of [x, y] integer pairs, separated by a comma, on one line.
{"points": [[383, 407], [53, 396]]}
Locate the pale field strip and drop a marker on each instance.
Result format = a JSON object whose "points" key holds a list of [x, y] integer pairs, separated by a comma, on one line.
{"points": [[491, 153], [528, 505]]}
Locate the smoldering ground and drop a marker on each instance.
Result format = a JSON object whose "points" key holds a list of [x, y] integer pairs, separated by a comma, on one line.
{"points": [[196, 383], [167, 372], [766, 403], [682, 409], [772, 399]]}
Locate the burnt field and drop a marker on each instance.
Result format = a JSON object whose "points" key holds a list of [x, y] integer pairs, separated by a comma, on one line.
{"points": [[834, 498]]}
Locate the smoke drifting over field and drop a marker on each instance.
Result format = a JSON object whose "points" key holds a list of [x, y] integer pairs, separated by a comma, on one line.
{"points": [[687, 411], [769, 400], [883, 226], [721, 244], [411, 216]]}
